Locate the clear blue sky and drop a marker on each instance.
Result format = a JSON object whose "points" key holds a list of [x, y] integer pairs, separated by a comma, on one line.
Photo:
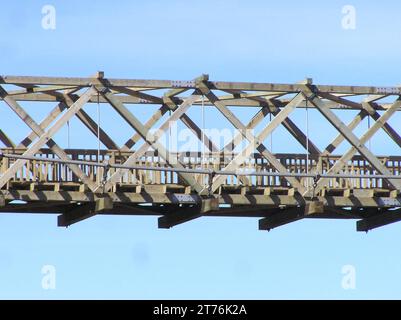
{"points": [[271, 41]]}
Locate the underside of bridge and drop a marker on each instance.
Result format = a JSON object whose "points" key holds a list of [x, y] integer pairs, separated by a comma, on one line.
{"points": [[242, 178]]}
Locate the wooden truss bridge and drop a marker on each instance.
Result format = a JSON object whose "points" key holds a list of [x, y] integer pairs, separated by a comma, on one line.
{"points": [[144, 177]]}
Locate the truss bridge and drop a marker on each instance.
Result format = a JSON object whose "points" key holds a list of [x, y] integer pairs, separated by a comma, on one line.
{"points": [[310, 175]]}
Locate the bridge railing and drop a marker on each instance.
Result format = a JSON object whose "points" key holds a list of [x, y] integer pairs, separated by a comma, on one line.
{"points": [[43, 171]]}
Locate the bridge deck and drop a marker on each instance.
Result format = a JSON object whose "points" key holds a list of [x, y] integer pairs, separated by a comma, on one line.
{"points": [[45, 174], [52, 187]]}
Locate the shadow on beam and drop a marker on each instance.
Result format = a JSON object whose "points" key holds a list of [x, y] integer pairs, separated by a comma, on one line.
{"points": [[290, 215], [82, 212], [378, 220], [188, 213]]}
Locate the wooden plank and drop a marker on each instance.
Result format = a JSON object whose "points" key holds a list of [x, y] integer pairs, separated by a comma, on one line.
{"points": [[103, 204], [314, 207], [219, 85], [364, 193], [46, 97], [233, 103], [6, 140], [38, 89], [154, 188]]}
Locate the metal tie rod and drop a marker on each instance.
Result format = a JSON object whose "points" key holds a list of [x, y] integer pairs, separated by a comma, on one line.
{"points": [[242, 172]]}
